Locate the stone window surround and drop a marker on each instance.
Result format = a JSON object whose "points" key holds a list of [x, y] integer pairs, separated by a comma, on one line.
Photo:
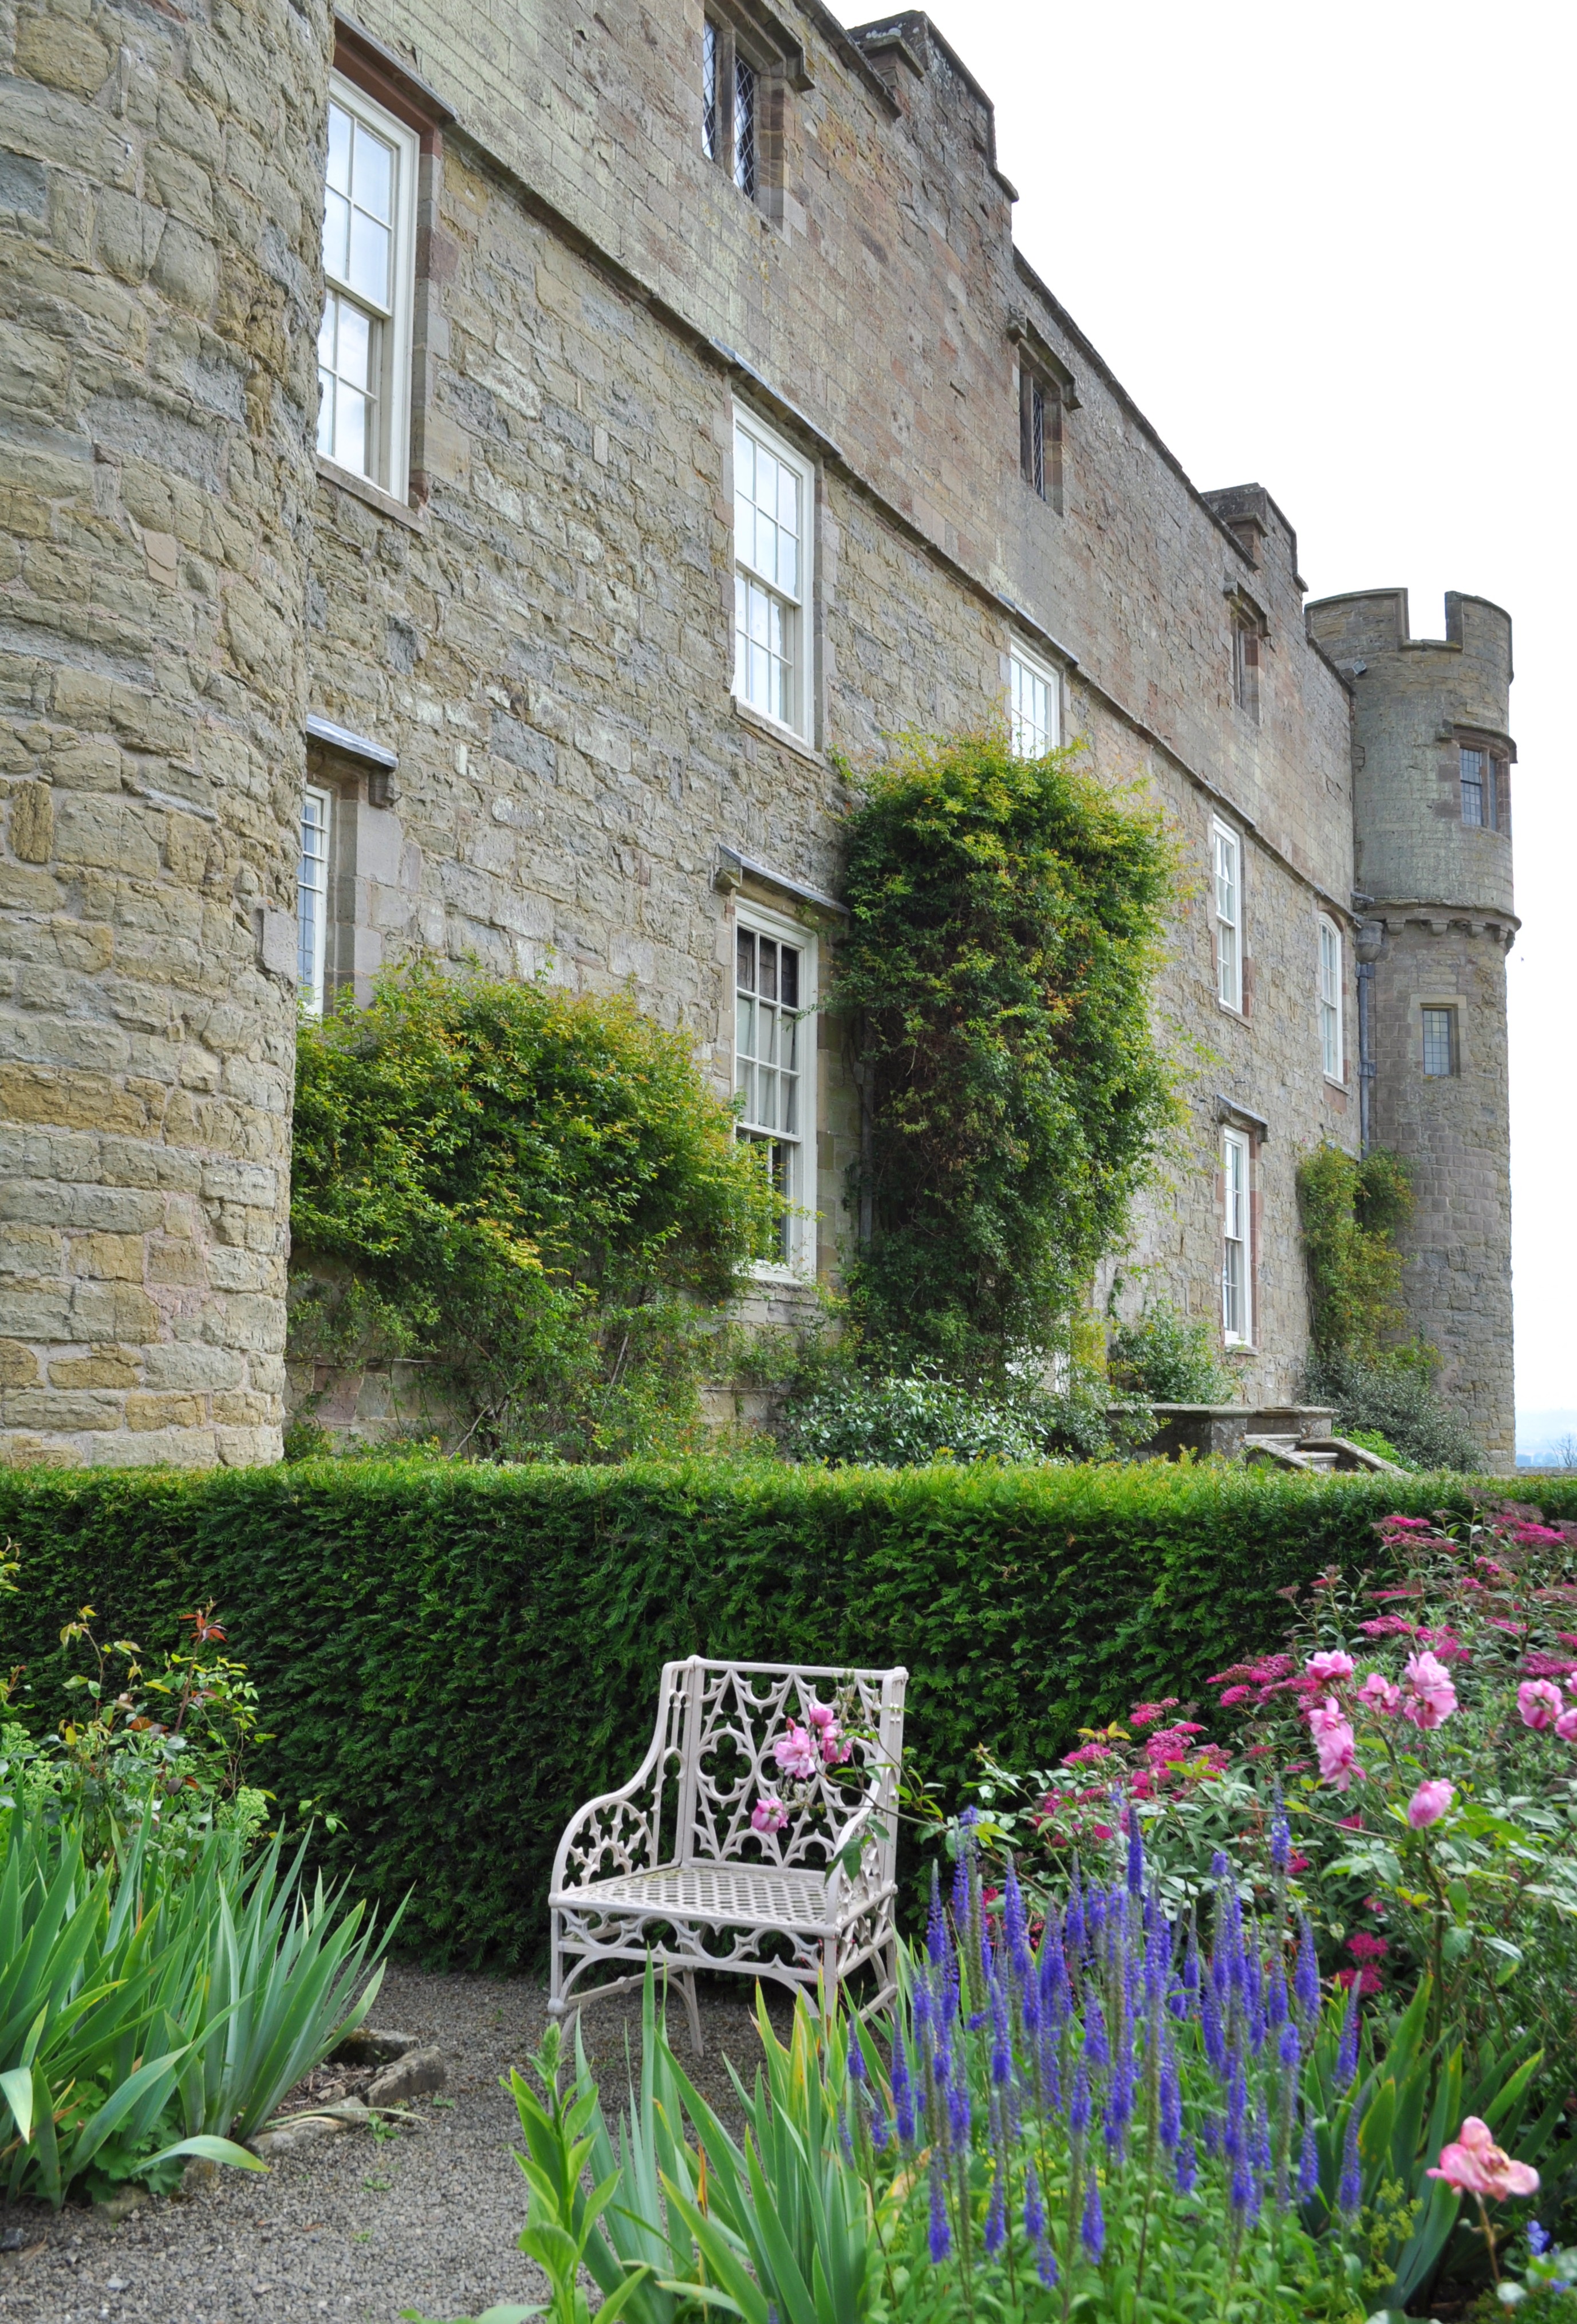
{"points": [[1454, 1004], [390, 385], [387, 81], [1020, 658], [1040, 368], [1332, 949], [745, 912], [358, 779], [802, 731], [1251, 631], [1238, 1142], [1231, 992], [752, 35]]}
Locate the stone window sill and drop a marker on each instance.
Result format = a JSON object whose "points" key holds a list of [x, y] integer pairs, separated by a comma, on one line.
{"points": [[374, 494], [762, 724]]}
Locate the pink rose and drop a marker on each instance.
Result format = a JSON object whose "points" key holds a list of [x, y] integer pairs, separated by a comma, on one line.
{"points": [[796, 1753], [1429, 1803], [1431, 1698], [1475, 2165], [1331, 1664], [822, 1714], [1381, 1694], [769, 1814], [1566, 1726], [1539, 1701], [1334, 1746]]}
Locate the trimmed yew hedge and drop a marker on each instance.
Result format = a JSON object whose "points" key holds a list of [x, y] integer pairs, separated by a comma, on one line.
{"points": [[454, 1657]]}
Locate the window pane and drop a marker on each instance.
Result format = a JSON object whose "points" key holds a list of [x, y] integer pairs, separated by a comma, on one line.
{"points": [[1439, 1044], [788, 976], [745, 961], [339, 137], [353, 345], [311, 894], [709, 90], [336, 234], [745, 126], [1473, 766], [369, 246], [371, 183], [768, 985]]}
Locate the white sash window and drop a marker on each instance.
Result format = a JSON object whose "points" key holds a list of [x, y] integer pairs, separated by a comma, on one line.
{"points": [[1237, 1288], [369, 245]]}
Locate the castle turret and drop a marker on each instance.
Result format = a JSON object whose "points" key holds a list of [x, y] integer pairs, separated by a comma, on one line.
{"points": [[159, 208], [1432, 808]]}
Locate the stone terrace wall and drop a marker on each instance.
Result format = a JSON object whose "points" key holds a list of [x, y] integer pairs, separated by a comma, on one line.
{"points": [[159, 215]]}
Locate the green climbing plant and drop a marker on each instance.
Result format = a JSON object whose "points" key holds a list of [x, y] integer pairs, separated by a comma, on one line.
{"points": [[535, 1190], [1351, 1209], [1005, 921]]}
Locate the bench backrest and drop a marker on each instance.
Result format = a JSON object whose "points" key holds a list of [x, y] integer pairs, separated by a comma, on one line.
{"points": [[721, 1724]]}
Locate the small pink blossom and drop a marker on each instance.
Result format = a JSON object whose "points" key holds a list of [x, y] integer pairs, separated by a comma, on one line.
{"points": [[1430, 1801], [1145, 1714], [1365, 1947], [1473, 2164], [1332, 1663], [822, 1714], [1235, 1694], [1539, 1701], [1381, 1695], [769, 1814], [1351, 1822], [1407, 1524], [1530, 1534], [1431, 1698], [1086, 1755]]}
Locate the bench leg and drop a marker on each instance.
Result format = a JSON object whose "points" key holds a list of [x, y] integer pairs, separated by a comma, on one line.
{"points": [[692, 2011]]}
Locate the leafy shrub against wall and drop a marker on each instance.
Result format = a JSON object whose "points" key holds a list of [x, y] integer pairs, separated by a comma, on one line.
{"points": [[454, 1657], [1165, 1354], [537, 1188], [1004, 920]]}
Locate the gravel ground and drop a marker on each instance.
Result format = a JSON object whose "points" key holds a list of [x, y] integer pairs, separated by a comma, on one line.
{"points": [[349, 2228]]}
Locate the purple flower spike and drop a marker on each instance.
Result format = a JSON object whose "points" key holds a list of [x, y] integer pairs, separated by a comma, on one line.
{"points": [[940, 2240], [1079, 2104], [1308, 2162], [1350, 2194], [903, 2093], [1097, 2049], [1347, 2049], [1280, 1835], [936, 1927], [1305, 1975], [1093, 2226], [856, 2057], [1289, 2049], [996, 2220], [1171, 2114], [1186, 2169], [1136, 1854], [1035, 2229]]}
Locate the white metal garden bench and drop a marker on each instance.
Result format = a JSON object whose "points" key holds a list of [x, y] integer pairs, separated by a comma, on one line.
{"points": [[671, 1868]]}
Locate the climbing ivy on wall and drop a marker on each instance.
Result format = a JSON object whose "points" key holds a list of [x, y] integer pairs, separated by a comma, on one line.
{"points": [[1005, 916], [1350, 1210]]}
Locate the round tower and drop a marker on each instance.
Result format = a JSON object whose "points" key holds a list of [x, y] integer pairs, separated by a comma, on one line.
{"points": [[1432, 809], [160, 206]]}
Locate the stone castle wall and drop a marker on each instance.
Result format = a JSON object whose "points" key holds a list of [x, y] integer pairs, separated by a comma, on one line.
{"points": [[158, 219], [541, 634]]}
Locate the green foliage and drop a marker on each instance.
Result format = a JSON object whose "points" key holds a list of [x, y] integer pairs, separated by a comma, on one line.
{"points": [[1372, 1440], [152, 2009], [1005, 915], [1350, 1210], [1394, 1399], [1169, 1356], [536, 1188], [458, 1657], [903, 1421]]}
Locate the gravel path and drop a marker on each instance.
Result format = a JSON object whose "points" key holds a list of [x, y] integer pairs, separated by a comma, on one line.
{"points": [[350, 2229]]}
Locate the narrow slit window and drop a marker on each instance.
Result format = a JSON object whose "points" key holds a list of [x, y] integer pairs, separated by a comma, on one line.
{"points": [[312, 900], [774, 1053], [1237, 1315], [1440, 1043], [1034, 706], [1246, 667], [1040, 435], [1331, 999], [1229, 917]]}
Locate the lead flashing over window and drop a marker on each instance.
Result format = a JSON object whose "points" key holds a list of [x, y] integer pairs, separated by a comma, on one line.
{"points": [[731, 867], [1232, 1115], [349, 745]]}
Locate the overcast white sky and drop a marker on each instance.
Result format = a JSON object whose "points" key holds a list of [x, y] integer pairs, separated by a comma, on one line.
{"points": [[1329, 250]]}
